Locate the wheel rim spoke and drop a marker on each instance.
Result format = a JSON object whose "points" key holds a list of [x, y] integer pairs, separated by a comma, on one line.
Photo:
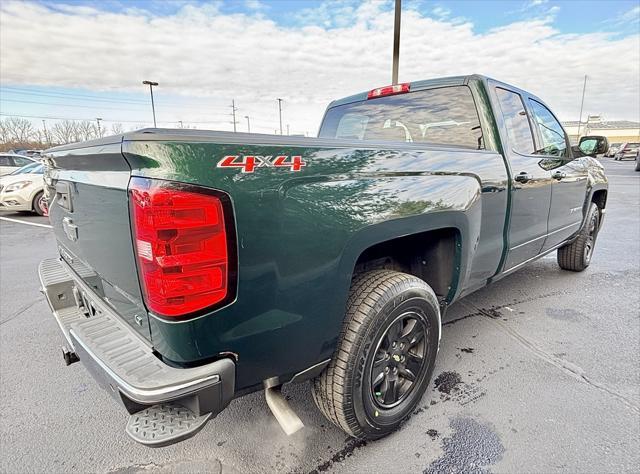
{"points": [[394, 332], [377, 374], [412, 367], [391, 394], [414, 336]]}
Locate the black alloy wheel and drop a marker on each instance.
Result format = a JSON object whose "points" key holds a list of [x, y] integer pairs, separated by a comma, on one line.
{"points": [[399, 360]]}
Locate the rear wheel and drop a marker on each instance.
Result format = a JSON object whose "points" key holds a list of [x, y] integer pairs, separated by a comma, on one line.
{"points": [[576, 256], [385, 355], [40, 204]]}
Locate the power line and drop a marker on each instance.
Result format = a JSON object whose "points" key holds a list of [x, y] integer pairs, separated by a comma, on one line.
{"points": [[122, 121], [100, 106]]}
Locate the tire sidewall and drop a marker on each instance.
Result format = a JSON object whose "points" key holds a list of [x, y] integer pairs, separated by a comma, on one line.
{"points": [[593, 214], [374, 420]]}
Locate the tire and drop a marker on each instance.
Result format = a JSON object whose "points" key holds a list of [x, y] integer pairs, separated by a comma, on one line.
{"points": [[637, 163], [39, 204], [576, 256], [355, 391]]}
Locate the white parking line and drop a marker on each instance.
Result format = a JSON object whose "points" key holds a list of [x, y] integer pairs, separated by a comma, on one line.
{"points": [[25, 222]]}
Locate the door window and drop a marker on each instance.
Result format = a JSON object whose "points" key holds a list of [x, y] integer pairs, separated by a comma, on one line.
{"points": [[20, 161], [6, 161], [516, 121], [554, 142]]}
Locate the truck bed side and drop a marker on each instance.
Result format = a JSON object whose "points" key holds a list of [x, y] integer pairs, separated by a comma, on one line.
{"points": [[301, 234]]}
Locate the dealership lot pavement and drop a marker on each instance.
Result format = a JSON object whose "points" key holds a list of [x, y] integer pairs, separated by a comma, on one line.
{"points": [[537, 373]]}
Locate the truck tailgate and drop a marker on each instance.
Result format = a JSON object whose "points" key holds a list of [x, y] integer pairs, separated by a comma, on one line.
{"points": [[89, 212]]}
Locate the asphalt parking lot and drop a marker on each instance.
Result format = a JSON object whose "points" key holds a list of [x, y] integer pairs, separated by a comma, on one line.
{"points": [[537, 373]]}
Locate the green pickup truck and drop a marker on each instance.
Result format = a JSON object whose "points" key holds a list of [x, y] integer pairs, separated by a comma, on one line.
{"points": [[197, 266]]}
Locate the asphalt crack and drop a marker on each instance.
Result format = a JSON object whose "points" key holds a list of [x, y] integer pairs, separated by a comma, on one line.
{"points": [[20, 311], [567, 367]]}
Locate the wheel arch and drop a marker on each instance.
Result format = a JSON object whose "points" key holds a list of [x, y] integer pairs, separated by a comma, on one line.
{"points": [[452, 228]]}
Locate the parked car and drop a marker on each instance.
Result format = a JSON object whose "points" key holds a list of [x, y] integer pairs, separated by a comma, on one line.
{"points": [[11, 162], [627, 151], [23, 190], [613, 148], [198, 266]]}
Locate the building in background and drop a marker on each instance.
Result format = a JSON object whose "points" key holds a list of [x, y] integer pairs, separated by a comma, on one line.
{"points": [[618, 131]]}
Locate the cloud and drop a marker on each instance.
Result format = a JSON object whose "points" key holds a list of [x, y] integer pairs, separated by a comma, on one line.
{"points": [[255, 5], [205, 55], [441, 12]]}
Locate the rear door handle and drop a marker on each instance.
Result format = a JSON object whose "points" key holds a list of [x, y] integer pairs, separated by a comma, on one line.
{"points": [[523, 177], [559, 175]]}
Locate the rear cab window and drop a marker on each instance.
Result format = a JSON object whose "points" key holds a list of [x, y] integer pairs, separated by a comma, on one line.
{"points": [[443, 116]]}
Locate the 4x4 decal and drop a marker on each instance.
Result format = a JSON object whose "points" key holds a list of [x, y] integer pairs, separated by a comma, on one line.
{"points": [[248, 164]]}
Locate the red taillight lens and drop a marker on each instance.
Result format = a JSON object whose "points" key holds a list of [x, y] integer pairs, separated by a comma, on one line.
{"points": [[182, 246], [389, 90]]}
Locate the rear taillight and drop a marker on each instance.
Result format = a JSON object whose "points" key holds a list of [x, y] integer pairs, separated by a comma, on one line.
{"points": [[389, 90], [185, 246]]}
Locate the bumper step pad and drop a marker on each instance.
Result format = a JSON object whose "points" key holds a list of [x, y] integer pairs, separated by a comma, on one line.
{"points": [[167, 423]]}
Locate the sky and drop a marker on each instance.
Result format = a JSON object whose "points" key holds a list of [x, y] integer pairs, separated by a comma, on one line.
{"points": [[87, 59]]}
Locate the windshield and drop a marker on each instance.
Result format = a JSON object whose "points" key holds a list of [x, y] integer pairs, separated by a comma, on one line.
{"points": [[445, 116], [32, 168]]}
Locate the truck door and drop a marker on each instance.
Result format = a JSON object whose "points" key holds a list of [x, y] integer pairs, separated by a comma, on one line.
{"points": [[530, 181], [569, 186]]}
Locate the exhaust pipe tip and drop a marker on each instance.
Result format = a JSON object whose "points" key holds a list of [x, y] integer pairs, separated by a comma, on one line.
{"points": [[279, 406]]}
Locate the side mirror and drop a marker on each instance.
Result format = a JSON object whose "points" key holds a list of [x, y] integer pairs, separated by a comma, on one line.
{"points": [[593, 145]]}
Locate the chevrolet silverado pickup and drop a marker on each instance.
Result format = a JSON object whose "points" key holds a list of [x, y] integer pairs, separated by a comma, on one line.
{"points": [[195, 267]]}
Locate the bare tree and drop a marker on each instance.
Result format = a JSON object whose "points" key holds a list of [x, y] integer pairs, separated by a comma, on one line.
{"points": [[117, 129], [64, 132], [17, 130], [86, 130], [4, 132]]}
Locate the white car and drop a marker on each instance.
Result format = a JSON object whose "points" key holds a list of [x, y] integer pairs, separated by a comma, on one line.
{"points": [[23, 190], [11, 162]]}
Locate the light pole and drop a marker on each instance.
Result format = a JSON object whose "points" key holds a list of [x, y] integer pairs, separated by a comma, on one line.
{"points": [[584, 88], [396, 43], [98, 119], [153, 107], [233, 113], [280, 113], [46, 135], [248, 124]]}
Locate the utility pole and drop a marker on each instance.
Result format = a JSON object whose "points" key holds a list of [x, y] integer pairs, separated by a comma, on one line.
{"points": [[280, 113], [287, 129], [46, 134], [248, 124], [153, 107], [233, 112], [584, 88], [396, 43], [98, 119]]}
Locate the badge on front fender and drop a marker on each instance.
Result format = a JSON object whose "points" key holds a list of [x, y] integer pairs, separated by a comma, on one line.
{"points": [[248, 163]]}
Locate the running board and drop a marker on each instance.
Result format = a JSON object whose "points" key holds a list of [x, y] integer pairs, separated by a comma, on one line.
{"points": [[286, 417]]}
